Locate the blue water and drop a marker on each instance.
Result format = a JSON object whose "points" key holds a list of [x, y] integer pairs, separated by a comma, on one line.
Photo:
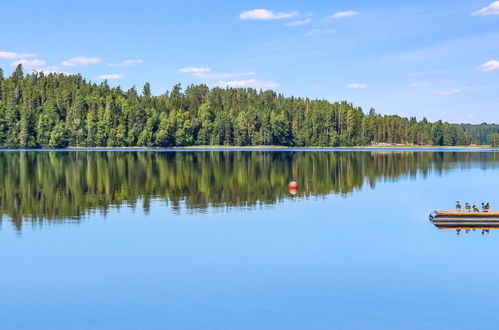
{"points": [[369, 259]]}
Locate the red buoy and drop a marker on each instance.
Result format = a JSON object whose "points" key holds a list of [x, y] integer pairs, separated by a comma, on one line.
{"points": [[293, 191], [293, 185]]}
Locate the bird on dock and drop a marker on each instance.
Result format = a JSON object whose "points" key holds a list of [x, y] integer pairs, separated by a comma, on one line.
{"points": [[487, 207], [483, 207], [475, 209], [468, 207], [458, 206]]}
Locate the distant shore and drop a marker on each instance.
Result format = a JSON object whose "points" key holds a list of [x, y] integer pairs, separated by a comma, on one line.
{"points": [[395, 147], [272, 147], [384, 146]]}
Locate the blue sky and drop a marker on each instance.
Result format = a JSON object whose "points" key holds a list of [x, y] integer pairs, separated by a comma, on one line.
{"points": [[438, 59]]}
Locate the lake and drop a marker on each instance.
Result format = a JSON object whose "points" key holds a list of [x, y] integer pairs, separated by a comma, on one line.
{"points": [[216, 240]]}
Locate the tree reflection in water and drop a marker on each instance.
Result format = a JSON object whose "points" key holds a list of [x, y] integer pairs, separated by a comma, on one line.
{"points": [[56, 185]]}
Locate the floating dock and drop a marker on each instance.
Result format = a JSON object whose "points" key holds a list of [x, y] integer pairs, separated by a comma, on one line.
{"points": [[444, 219]]}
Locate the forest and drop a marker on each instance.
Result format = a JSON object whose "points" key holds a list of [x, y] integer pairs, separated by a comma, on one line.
{"points": [[40, 110]]}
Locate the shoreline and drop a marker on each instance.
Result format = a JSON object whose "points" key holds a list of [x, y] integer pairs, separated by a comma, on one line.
{"points": [[340, 148], [275, 148]]}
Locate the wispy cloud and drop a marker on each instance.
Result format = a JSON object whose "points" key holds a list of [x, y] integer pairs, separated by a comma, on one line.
{"points": [[29, 63], [37, 65], [191, 69], [420, 85], [342, 14], [126, 63], [491, 65], [265, 14], [302, 22], [113, 76], [492, 9], [206, 73], [319, 86], [13, 55], [250, 83], [315, 32], [357, 86], [449, 92], [467, 116], [221, 75], [81, 60], [51, 69], [441, 50]]}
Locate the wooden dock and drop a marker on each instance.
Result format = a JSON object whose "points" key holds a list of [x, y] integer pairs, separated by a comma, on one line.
{"points": [[445, 219]]}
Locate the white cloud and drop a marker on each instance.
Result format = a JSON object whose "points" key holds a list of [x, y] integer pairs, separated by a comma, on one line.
{"points": [[264, 14], [467, 116], [13, 55], [491, 65], [81, 60], [206, 73], [314, 32], [303, 22], [29, 63], [37, 65], [250, 83], [51, 69], [448, 92], [492, 9], [342, 14], [191, 69], [220, 75], [127, 63], [356, 86], [420, 85], [113, 76]]}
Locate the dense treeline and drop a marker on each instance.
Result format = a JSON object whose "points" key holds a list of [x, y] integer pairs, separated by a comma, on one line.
{"points": [[482, 133], [37, 186], [58, 111]]}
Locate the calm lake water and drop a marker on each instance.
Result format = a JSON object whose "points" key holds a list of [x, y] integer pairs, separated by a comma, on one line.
{"points": [[215, 240]]}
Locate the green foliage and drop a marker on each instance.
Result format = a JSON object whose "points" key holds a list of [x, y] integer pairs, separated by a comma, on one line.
{"points": [[57, 111], [494, 139], [59, 137], [481, 133]]}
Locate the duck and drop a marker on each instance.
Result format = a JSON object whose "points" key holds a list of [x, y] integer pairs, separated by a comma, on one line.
{"points": [[483, 207], [468, 207], [475, 209], [458, 206], [487, 207]]}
